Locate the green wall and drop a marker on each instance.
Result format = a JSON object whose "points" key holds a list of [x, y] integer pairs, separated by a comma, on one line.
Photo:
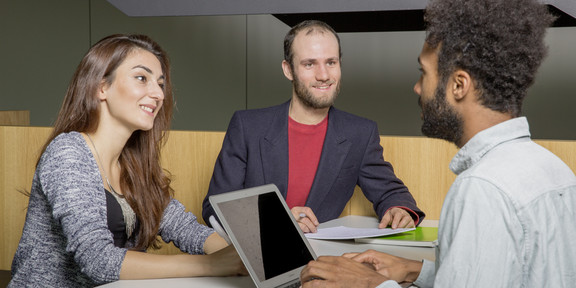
{"points": [[225, 63]]}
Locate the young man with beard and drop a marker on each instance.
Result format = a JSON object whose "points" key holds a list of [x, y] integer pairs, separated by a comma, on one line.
{"points": [[315, 153], [508, 219]]}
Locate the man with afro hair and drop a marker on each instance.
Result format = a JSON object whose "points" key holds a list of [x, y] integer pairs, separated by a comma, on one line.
{"points": [[508, 219]]}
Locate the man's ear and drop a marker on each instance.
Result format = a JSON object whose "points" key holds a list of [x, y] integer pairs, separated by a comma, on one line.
{"points": [[461, 84], [287, 70]]}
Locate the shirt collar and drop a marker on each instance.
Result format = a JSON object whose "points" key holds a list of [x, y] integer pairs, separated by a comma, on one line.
{"points": [[486, 140]]}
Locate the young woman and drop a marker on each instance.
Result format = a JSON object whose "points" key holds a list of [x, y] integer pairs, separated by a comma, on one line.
{"points": [[99, 197]]}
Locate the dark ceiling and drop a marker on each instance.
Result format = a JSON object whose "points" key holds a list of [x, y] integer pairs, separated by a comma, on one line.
{"points": [[342, 15]]}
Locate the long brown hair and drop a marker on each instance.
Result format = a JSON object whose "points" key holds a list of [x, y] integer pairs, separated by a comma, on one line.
{"points": [[144, 183]]}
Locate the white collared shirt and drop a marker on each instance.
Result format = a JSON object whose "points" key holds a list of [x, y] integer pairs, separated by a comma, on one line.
{"points": [[507, 220]]}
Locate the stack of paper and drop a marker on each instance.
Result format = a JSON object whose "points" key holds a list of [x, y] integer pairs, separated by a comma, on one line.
{"points": [[342, 232]]}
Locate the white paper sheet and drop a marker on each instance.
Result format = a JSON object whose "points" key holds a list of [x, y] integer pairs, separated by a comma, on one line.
{"points": [[342, 233]]}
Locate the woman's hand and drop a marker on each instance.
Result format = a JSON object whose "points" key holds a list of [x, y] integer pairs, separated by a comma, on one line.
{"points": [[226, 262]]}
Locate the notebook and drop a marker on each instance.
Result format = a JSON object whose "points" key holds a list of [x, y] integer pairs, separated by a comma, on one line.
{"points": [[265, 234], [421, 237]]}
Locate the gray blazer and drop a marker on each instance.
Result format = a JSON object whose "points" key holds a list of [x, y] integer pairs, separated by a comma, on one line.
{"points": [[255, 152]]}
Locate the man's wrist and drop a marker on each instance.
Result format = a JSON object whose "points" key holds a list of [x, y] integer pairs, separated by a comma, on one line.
{"points": [[413, 267]]}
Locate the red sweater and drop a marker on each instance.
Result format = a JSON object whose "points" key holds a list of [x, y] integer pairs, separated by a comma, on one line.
{"points": [[304, 149]]}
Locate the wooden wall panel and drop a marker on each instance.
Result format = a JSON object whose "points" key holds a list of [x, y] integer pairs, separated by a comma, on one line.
{"points": [[566, 150], [190, 157], [420, 162], [19, 150], [15, 118]]}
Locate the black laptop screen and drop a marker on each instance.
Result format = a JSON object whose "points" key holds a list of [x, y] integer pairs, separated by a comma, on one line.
{"points": [[266, 234]]}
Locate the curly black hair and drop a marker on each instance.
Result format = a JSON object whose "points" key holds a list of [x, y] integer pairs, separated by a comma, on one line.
{"points": [[500, 43]]}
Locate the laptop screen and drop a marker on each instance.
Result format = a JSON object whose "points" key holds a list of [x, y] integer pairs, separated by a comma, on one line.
{"points": [[266, 234]]}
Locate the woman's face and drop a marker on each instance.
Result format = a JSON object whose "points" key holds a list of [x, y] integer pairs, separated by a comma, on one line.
{"points": [[136, 93]]}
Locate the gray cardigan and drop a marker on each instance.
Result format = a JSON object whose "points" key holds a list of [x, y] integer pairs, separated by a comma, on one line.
{"points": [[66, 241]]}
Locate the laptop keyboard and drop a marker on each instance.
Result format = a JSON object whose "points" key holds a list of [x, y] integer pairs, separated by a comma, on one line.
{"points": [[294, 285]]}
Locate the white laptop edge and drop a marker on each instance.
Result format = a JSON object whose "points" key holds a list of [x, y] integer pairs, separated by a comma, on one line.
{"points": [[233, 195]]}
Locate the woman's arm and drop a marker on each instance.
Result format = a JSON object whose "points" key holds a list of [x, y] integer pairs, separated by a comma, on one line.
{"points": [[223, 262], [214, 243]]}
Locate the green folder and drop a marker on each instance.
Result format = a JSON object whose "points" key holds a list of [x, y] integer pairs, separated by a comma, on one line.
{"points": [[422, 237]]}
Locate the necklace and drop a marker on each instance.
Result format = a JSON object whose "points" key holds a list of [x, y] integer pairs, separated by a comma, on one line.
{"points": [[127, 211]]}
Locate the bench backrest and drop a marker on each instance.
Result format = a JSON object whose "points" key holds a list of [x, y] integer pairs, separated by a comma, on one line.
{"points": [[422, 164]]}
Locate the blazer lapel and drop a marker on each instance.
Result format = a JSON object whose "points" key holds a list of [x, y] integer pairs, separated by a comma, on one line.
{"points": [[334, 153], [274, 151]]}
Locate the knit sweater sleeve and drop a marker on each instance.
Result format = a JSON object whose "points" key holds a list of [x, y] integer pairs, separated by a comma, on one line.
{"points": [[70, 179], [183, 229]]}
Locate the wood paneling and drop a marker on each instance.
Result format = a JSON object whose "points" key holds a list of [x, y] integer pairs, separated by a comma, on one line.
{"points": [[422, 163], [15, 118], [190, 157], [19, 149]]}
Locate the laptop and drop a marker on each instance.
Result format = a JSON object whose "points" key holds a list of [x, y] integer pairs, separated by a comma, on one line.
{"points": [[265, 234]]}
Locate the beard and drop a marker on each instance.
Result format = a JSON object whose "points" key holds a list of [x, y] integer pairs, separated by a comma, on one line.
{"points": [[308, 99], [439, 118]]}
